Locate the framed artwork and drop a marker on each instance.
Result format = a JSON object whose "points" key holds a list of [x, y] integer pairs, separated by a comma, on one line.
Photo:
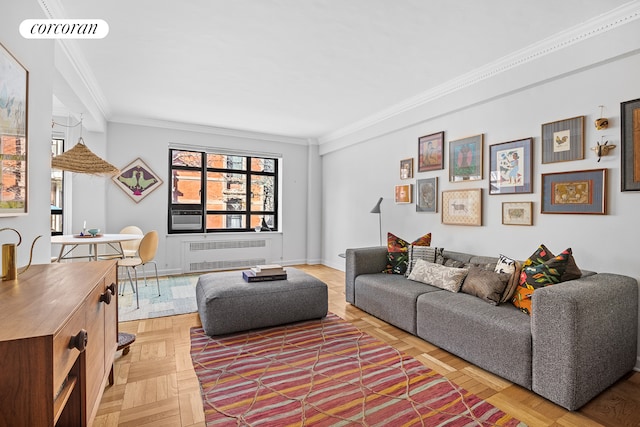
{"points": [[510, 167], [137, 180], [465, 159], [14, 80], [430, 152], [406, 168], [579, 192], [517, 213], [427, 195], [404, 193], [630, 121], [563, 140], [462, 207]]}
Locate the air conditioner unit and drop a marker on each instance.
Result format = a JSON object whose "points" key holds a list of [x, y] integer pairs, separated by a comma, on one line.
{"points": [[186, 219]]}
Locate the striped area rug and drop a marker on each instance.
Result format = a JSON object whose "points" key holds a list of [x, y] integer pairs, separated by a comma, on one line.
{"points": [[326, 372]]}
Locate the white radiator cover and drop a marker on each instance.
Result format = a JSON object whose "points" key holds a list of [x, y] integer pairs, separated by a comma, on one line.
{"points": [[210, 255]]}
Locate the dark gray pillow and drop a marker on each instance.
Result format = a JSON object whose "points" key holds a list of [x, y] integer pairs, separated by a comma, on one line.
{"points": [[485, 284]]}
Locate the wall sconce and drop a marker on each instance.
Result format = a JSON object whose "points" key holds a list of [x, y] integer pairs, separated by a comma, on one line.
{"points": [[601, 123], [602, 149]]}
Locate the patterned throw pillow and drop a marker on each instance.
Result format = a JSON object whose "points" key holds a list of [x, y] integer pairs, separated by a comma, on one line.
{"points": [[448, 278], [542, 254], [426, 253], [398, 252], [536, 274]]}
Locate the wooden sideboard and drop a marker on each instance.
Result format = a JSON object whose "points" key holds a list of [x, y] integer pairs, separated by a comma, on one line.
{"points": [[58, 338]]}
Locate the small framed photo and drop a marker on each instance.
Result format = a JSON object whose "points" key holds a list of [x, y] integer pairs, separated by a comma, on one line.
{"points": [[630, 122], [404, 193], [465, 159], [517, 213], [510, 167], [462, 207], [430, 152], [406, 168], [427, 195], [563, 140], [579, 192]]}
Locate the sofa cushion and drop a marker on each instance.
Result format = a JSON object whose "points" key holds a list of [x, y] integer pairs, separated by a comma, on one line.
{"points": [[390, 297], [449, 278], [398, 252], [497, 338], [485, 284]]}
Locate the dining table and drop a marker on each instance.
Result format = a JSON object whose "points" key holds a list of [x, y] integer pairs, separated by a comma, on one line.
{"points": [[69, 242]]}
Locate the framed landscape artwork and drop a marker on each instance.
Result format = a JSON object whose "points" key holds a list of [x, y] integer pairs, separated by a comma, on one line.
{"points": [[563, 140], [462, 207], [137, 180], [510, 167], [630, 121], [465, 159], [13, 135], [427, 195], [430, 152], [579, 192], [517, 213], [404, 193]]}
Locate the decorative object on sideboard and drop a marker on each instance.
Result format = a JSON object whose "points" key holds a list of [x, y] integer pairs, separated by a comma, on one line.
{"points": [[376, 210], [602, 122], [602, 149], [10, 269], [81, 159]]}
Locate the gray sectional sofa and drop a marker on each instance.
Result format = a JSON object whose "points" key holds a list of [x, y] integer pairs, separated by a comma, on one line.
{"points": [[580, 339]]}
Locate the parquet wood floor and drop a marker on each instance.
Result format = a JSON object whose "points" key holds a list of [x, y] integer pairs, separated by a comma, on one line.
{"points": [[155, 384]]}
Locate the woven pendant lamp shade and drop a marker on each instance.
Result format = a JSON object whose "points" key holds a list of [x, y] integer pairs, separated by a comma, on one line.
{"points": [[82, 160]]}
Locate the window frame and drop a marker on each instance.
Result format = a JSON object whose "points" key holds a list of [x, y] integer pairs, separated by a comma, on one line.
{"points": [[201, 208]]}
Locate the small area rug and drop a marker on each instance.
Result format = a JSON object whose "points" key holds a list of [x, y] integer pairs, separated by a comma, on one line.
{"points": [[326, 372], [177, 296]]}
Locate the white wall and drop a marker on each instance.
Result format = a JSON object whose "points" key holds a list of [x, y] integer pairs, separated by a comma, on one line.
{"points": [[37, 57], [355, 175], [126, 142]]}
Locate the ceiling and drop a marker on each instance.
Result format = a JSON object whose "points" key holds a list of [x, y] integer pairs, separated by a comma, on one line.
{"points": [[297, 68]]}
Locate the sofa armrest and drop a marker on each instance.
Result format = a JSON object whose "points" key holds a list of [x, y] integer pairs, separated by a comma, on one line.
{"points": [[585, 335], [362, 261]]}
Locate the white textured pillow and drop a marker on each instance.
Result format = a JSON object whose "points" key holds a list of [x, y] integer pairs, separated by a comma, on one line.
{"points": [[448, 278]]}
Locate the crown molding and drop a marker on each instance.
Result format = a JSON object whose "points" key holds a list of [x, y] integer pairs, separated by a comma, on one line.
{"points": [[53, 9], [596, 26], [213, 130]]}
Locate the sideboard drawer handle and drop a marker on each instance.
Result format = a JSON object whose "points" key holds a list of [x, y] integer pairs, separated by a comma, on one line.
{"points": [[112, 288], [105, 298], [80, 341]]}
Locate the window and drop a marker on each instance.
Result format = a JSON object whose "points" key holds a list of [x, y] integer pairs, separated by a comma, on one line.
{"points": [[222, 192], [57, 147]]}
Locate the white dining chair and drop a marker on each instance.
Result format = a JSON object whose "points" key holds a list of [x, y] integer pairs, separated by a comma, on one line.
{"points": [[145, 255]]}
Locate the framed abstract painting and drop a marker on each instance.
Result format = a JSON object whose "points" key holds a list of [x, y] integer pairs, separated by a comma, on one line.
{"points": [[137, 180], [14, 80], [427, 195], [630, 121]]}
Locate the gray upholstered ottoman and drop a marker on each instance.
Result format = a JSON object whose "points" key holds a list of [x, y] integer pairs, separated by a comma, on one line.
{"points": [[227, 303]]}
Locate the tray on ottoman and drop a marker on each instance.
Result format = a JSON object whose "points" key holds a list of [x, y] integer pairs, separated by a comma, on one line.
{"points": [[227, 303]]}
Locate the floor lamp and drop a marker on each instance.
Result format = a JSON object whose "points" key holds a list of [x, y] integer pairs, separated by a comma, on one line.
{"points": [[376, 210]]}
